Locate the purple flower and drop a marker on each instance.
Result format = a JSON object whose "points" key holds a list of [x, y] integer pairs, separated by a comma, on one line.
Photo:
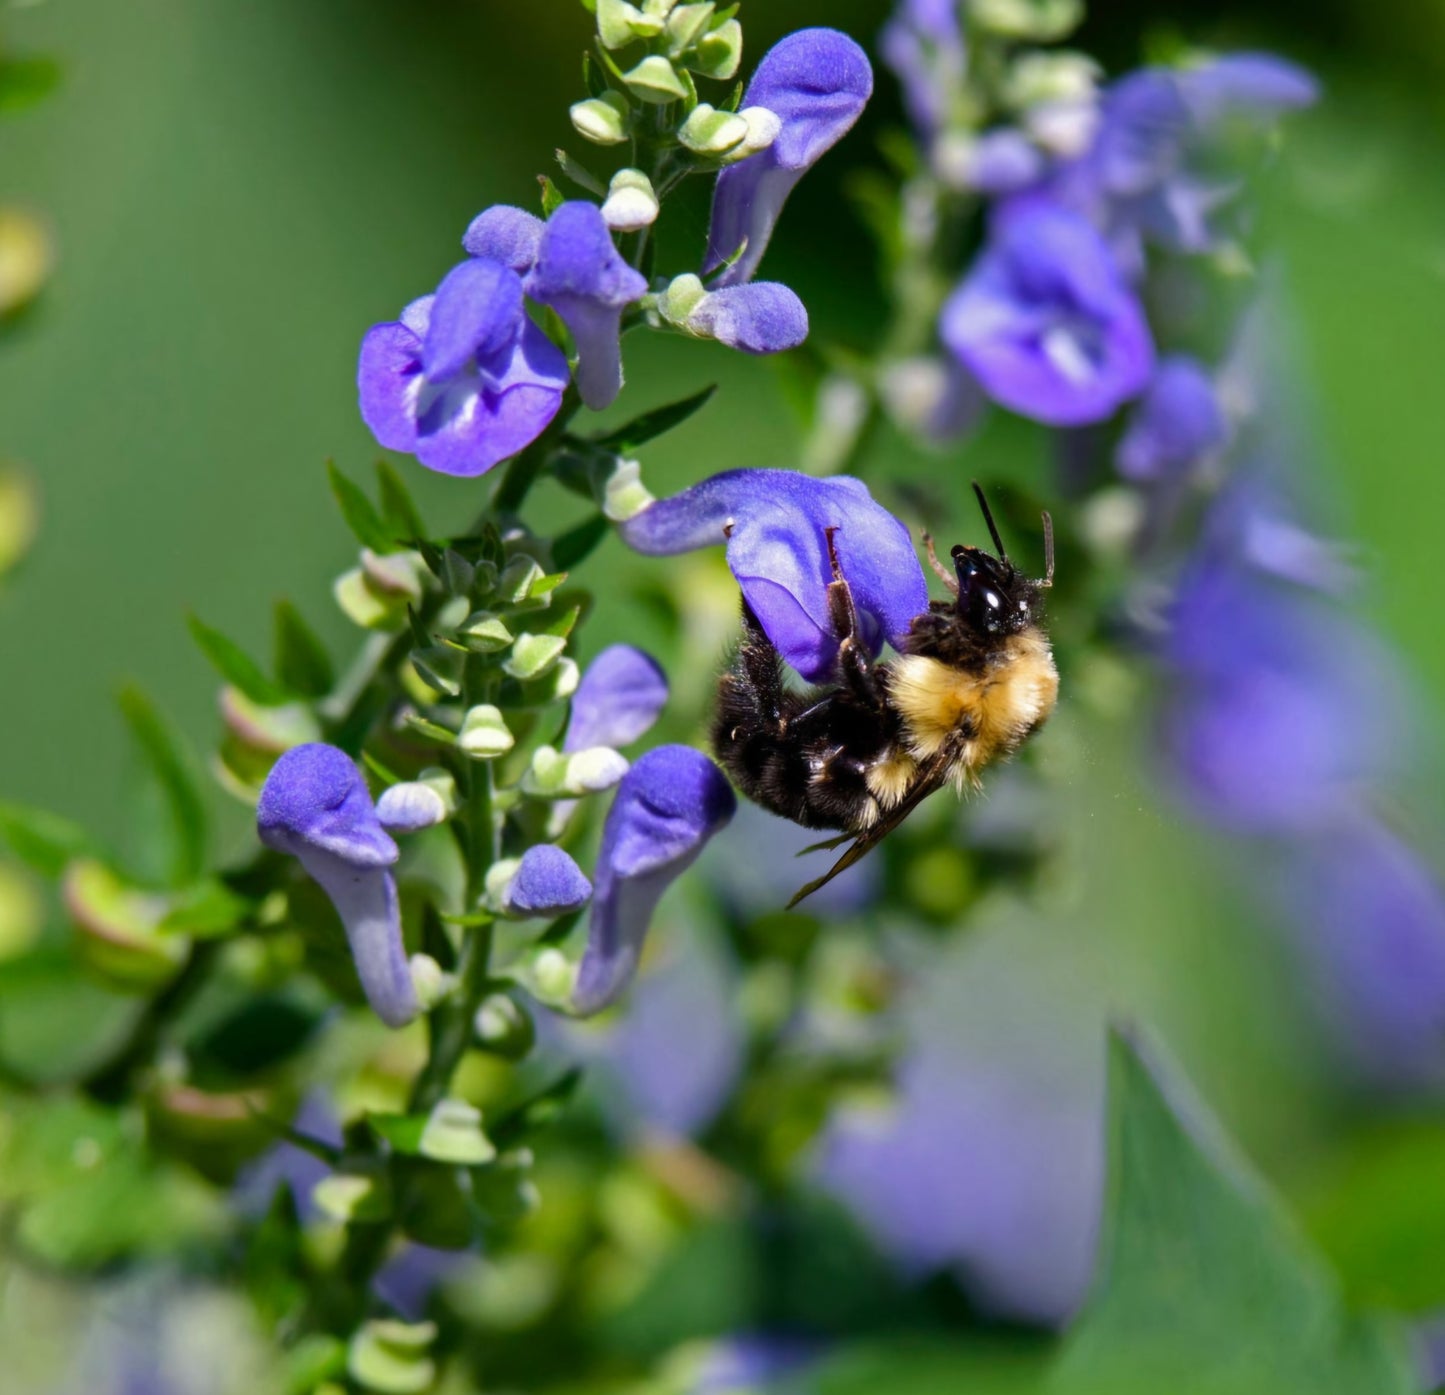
{"points": [[1178, 423], [666, 808], [989, 1162], [1162, 158], [748, 1362], [1276, 718], [762, 318], [923, 44], [1002, 161], [547, 884], [581, 276], [777, 549], [316, 807], [619, 698], [817, 82], [407, 1281], [1370, 922], [507, 235], [1045, 322], [464, 379]]}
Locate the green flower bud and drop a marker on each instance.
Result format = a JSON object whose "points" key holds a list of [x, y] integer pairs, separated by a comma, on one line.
{"points": [[391, 1357], [686, 25], [533, 655], [453, 1134], [519, 579], [485, 633], [660, 8], [118, 928], [619, 23], [708, 131], [1036, 77], [363, 605], [683, 295], [22, 913], [559, 682], [356, 1192], [484, 734], [19, 511], [503, 1027], [394, 573], [555, 775], [552, 976], [763, 128], [655, 80], [26, 258], [631, 202], [601, 120], [623, 493], [432, 982], [719, 52], [1043, 21]]}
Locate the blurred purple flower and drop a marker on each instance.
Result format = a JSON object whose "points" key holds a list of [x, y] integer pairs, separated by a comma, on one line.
{"points": [[406, 1282], [507, 235], [989, 1162], [761, 318], [667, 807], [315, 806], [777, 549], [749, 1362], [1163, 157], [817, 82], [580, 274], [1044, 320], [464, 379], [620, 696], [1002, 161], [547, 883], [923, 44], [1178, 423], [1370, 921], [289, 1165]]}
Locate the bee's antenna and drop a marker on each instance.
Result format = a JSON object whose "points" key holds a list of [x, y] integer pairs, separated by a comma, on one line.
{"points": [[942, 572], [988, 518], [1048, 550]]}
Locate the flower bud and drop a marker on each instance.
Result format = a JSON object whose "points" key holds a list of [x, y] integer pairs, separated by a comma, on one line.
{"points": [[601, 120], [708, 131], [519, 579], [430, 981], [118, 928], [428, 800], [503, 1027], [1049, 77], [551, 976], [26, 257], [485, 633], [453, 1134], [484, 734], [363, 605], [19, 504], [682, 296], [623, 493], [619, 23], [655, 80], [533, 655], [559, 682], [764, 127], [631, 202], [557, 775], [390, 1357], [686, 25], [22, 914], [719, 52], [394, 573], [1043, 21]]}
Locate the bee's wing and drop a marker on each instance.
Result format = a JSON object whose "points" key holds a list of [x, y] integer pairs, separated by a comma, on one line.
{"points": [[931, 776]]}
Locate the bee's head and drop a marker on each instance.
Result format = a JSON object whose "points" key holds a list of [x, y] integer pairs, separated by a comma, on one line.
{"points": [[993, 597]]}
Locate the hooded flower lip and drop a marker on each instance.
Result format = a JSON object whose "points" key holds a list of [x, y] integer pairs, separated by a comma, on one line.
{"points": [[547, 883], [580, 274], [762, 318], [1157, 155], [778, 551], [667, 807], [817, 82], [1178, 423], [619, 698], [1045, 322], [505, 234], [463, 379], [316, 807], [923, 44]]}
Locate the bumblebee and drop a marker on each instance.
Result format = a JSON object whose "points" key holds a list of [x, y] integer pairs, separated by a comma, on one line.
{"points": [[974, 681]]}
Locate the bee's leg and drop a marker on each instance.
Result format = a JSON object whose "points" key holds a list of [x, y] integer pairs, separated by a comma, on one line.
{"points": [[854, 666], [760, 666]]}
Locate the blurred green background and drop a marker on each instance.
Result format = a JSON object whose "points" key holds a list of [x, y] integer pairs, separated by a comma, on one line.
{"points": [[238, 190]]}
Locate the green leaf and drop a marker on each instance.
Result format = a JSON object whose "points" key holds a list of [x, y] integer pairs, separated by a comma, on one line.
{"points": [[652, 424], [397, 510], [42, 840], [173, 768], [552, 198], [57, 1025], [26, 81], [207, 910], [235, 665], [359, 512], [302, 663], [1204, 1284], [536, 1113], [921, 1365], [577, 543]]}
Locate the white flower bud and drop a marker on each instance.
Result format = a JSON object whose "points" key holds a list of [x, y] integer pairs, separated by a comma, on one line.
{"points": [[682, 296], [631, 202], [602, 120], [619, 23], [484, 734], [430, 981], [655, 80], [533, 655], [708, 131], [687, 24], [624, 495], [763, 129]]}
